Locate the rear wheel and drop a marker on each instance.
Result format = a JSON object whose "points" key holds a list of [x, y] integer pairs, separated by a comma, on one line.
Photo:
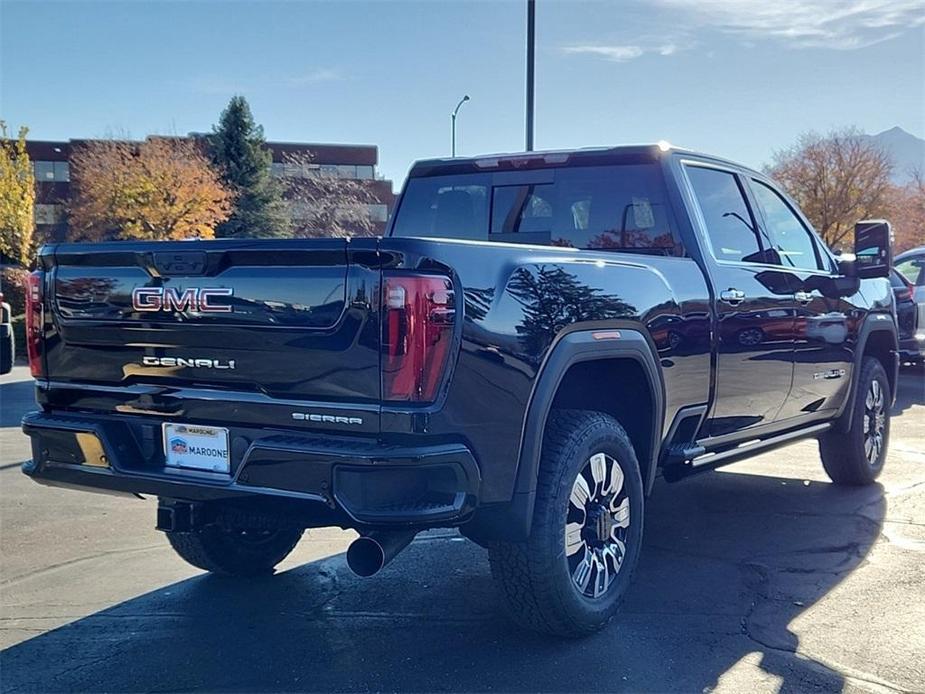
{"points": [[857, 457], [570, 576], [235, 552]]}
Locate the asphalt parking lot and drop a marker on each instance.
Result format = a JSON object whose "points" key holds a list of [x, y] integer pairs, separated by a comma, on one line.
{"points": [[759, 577]]}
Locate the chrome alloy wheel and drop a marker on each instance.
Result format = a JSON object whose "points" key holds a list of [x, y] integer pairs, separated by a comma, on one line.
{"points": [[597, 524], [874, 422]]}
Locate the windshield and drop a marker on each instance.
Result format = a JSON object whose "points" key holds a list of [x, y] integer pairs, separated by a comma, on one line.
{"points": [[621, 207]]}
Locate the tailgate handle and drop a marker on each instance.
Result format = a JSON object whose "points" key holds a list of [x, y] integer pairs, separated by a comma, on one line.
{"points": [[180, 263]]}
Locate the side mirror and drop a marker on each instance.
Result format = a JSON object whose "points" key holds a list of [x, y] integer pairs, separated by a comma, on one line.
{"points": [[873, 248]]}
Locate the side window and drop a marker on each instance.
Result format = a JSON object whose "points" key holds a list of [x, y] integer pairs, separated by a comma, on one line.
{"points": [[913, 270], [730, 226], [620, 208], [789, 237]]}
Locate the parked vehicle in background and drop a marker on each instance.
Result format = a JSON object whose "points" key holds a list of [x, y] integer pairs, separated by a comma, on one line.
{"points": [[906, 311], [536, 339], [7, 341], [911, 266]]}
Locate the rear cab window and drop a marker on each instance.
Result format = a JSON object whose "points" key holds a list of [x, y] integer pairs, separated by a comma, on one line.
{"points": [[621, 207]]}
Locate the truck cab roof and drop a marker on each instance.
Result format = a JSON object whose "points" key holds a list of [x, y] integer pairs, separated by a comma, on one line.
{"points": [[587, 156]]}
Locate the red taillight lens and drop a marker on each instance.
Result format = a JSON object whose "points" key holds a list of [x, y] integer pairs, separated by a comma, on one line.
{"points": [[904, 294], [34, 322], [419, 314]]}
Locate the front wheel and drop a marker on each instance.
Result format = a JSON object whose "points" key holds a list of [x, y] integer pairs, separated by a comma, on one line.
{"points": [[857, 457], [571, 574]]}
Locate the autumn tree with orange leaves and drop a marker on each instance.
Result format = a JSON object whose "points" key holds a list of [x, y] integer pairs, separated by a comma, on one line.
{"points": [[161, 188], [837, 179]]}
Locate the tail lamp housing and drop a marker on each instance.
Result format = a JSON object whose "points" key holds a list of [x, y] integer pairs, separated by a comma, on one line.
{"points": [[419, 315], [34, 322]]}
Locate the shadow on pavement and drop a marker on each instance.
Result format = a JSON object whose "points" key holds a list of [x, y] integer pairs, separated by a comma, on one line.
{"points": [[910, 390], [730, 561], [16, 398]]}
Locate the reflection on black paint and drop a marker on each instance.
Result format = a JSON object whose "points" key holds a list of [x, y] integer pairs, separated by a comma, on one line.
{"points": [[553, 299], [478, 302]]}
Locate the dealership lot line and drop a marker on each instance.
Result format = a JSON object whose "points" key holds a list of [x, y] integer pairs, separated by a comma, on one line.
{"points": [[759, 577]]}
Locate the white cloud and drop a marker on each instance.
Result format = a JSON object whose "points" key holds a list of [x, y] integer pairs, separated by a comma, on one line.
{"points": [[837, 24], [617, 54], [622, 53], [833, 24], [313, 77], [210, 84]]}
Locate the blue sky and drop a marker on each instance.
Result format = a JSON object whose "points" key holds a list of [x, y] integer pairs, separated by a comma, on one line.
{"points": [[738, 78]]}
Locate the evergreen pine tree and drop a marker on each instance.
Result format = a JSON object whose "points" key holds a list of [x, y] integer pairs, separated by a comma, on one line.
{"points": [[237, 147]]}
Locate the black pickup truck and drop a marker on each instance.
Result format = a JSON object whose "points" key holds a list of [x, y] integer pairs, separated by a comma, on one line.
{"points": [[535, 340]]}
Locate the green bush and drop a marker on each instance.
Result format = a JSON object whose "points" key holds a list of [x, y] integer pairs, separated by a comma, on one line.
{"points": [[13, 287]]}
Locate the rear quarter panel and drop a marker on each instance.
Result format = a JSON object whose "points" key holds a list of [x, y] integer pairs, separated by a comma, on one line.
{"points": [[518, 301]]}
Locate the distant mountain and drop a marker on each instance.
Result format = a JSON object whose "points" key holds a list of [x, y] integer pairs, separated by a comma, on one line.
{"points": [[905, 149]]}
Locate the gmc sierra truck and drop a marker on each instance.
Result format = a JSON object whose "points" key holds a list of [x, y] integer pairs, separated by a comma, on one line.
{"points": [[535, 340]]}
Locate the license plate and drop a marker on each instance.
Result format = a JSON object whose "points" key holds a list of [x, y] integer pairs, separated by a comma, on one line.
{"points": [[197, 447]]}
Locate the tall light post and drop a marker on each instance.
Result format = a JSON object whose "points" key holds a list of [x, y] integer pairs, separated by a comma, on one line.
{"points": [[531, 61], [453, 121]]}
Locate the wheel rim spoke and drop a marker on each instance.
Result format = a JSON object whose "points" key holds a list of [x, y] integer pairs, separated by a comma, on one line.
{"points": [[621, 514], [582, 573], [598, 471], [580, 494], [573, 540]]}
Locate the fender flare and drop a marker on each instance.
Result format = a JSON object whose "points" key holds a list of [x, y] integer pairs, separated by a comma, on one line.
{"points": [[874, 322], [512, 520]]}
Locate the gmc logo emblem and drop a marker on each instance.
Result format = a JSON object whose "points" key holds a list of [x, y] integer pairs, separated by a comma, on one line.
{"points": [[194, 299]]}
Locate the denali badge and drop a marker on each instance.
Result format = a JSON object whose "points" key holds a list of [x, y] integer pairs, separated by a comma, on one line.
{"points": [[188, 363], [325, 418], [194, 299]]}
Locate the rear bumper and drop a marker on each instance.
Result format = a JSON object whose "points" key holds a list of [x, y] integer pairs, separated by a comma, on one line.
{"points": [[912, 348], [322, 481]]}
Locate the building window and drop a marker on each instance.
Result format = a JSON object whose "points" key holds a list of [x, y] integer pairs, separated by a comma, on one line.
{"points": [[365, 172], [346, 171], [277, 169], [378, 212], [49, 214], [47, 171], [44, 170]]}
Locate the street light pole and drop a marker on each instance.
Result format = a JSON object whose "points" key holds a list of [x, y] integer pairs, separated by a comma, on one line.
{"points": [[453, 123], [531, 36]]}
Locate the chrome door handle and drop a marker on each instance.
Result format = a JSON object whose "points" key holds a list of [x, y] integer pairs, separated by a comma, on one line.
{"points": [[803, 297], [733, 297]]}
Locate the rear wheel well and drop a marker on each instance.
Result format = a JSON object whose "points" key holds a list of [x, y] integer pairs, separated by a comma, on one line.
{"points": [[618, 387]]}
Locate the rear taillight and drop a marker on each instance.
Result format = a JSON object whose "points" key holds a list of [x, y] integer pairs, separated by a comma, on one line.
{"points": [[34, 322], [419, 315], [904, 294]]}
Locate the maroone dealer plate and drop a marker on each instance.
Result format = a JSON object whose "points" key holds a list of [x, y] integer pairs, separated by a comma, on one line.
{"points": [[196, 447]]}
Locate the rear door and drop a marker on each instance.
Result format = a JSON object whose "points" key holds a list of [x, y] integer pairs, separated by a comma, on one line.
{"points": [[264, 322], [754, 307]]}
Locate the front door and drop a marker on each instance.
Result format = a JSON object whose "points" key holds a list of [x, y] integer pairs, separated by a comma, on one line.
{"points": [[822, 354], [755, 310]]}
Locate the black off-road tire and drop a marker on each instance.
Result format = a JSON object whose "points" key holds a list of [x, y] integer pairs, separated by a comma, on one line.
{"points": [[535, 579], [844, 455], [235, 553]]}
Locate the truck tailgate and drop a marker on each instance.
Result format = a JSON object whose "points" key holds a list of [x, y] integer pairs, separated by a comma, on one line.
{"points": [[293, 319]]}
